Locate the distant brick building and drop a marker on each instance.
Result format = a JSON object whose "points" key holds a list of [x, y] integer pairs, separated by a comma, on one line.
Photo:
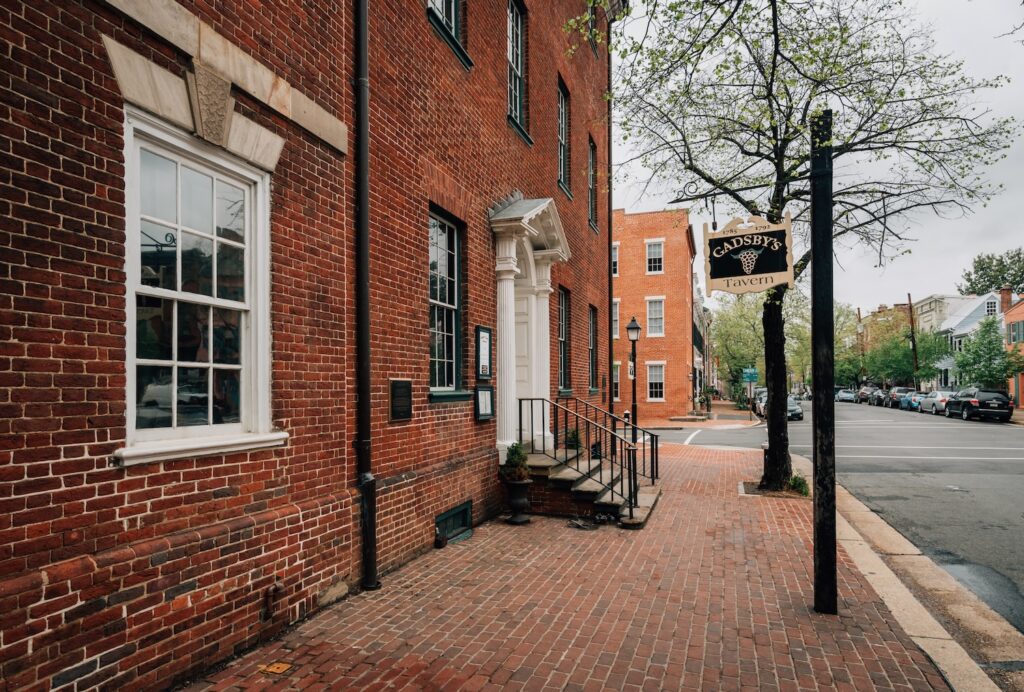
{"points": [[1013, 321], [178, 304], [652, 261]]}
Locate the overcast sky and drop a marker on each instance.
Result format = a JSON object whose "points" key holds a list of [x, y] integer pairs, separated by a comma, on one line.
{"points": [[967, 29]]}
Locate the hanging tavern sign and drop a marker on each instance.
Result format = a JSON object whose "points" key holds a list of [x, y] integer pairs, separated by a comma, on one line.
{"points": [[749, 256]]}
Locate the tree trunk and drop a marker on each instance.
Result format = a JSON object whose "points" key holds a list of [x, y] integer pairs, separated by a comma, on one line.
{"points": [[778, 468]]}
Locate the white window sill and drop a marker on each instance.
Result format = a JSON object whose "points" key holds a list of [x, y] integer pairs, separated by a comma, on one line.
{"points": [[655, 401], [656, 336], [148, 452], [656, 273]]}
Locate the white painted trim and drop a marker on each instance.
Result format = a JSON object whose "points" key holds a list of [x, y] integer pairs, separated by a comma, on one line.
{"points": [[256, 428], [647, 253], [197, 447], [619, 364], [647, 382], [647, 314], [618, 314], [648, 241]]}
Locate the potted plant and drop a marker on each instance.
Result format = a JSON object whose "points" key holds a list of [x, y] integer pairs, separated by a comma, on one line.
{"points": [[516, 475], [572, 439]]}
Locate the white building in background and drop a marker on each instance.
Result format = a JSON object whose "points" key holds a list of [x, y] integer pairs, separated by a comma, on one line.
{"points": [[963, 315]]}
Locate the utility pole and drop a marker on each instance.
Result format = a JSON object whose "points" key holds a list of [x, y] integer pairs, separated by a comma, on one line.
{"points": [[823, 367], [913, 337]]}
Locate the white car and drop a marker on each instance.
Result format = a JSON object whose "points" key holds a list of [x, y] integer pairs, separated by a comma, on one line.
{"points": [[847, 395]]}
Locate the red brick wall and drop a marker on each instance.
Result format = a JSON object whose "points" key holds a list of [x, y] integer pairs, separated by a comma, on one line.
{"points": [[632, 286], [132, 577]]}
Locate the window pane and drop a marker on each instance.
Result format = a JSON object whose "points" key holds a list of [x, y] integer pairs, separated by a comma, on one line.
{"points": [[230, 212], [193, 333], [230, 272], [158, 186], [153, 326], [196, 264], [227, 337], [227, 395], [159, 266], [153, 397], [193, 396], [196, 200]]}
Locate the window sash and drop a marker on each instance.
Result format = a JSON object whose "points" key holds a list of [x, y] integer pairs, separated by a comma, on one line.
{"points": [[228, 379], [655, 381], [593, 347], [564, 379], [443, 305], [515, 62], [448, 12], [655, 257], [615, 380], [592, 183], [563, 136], [656, 317], [615, 260], [615, 319]]}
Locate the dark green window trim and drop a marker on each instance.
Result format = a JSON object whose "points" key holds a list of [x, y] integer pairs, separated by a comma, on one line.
{"points": [[564, 189], [520, 131], [453, 42], [594, 390], [447, 397], [565, 392]]}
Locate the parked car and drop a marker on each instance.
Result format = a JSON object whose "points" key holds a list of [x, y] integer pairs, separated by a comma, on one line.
{"points": [[895, 394], [847, 395], [793, 409], [911, 401], [761, 404], [864, 393], [878, 397], [935, 402], [980, 402]]}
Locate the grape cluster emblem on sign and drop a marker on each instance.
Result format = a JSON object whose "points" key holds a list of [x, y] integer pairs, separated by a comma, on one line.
{"points": [[749, 255]]}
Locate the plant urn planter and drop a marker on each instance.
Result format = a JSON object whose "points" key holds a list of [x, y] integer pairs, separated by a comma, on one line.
{"points": [[518, 501]]}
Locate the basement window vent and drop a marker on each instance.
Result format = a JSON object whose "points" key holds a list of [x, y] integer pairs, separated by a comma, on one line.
{"points": [[456, 524]]}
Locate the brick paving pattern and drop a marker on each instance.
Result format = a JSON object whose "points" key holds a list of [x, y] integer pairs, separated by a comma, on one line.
{"points": [[714, 593]]}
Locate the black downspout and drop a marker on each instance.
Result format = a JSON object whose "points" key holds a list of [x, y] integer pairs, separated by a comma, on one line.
{"points": [[367, 483], [611, 283]]}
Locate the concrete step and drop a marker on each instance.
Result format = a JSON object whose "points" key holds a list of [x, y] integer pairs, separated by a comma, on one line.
{"points": [[542, 465], [647, 500], [601, 477]]}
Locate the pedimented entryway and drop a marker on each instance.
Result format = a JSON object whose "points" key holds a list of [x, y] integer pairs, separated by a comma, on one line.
{"points": [[528, 240]]}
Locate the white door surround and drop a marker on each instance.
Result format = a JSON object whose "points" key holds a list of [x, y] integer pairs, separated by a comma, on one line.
{"points": [[528, 240]]}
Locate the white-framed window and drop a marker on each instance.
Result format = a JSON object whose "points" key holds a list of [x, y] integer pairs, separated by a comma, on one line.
{"points": [[616, 366], [516, 64], [990, 308], [615, 259], [655, 380], [444, 324], [564, 336], [592, 183], [615, 318], [655, 315], [592, 347], [563, 135], [448, 12], [197, 298], [655, 256]]}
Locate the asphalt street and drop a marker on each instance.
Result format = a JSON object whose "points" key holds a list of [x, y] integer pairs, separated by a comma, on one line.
{"points": [[953, 488]]}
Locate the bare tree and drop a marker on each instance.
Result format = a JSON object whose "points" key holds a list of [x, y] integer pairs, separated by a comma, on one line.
{"points": [[720, 93]]}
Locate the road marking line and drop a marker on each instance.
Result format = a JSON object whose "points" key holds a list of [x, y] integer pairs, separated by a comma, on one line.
{"points": [[693, 435], [932, 458], [1008, 449]]}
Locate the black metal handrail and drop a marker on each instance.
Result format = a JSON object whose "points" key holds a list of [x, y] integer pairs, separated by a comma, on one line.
{"points": [[647, 455], [582, 442]]}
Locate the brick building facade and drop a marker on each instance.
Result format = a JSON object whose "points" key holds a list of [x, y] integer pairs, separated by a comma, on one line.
{"points": [[652, 261], [177, 313], [1013, 323]]}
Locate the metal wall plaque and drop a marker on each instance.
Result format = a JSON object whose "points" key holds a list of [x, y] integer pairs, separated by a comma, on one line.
{"points": [[749, 256], [400, 400]]}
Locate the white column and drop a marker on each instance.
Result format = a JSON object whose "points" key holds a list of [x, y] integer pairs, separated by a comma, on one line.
{"points": [[506, 269], [541, 346]]}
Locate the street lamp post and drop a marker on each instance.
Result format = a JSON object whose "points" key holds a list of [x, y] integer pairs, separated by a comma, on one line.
{"points": [[633, 332]]}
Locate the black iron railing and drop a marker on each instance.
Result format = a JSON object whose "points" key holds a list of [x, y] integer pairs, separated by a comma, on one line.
{"points": [[592, 449], [645, 440]]}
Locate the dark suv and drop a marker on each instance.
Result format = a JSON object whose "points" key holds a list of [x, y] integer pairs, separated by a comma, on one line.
{"points": [[979, 402], [895, 394]]}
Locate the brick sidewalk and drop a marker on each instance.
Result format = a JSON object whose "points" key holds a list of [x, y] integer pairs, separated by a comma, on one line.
{"points": [[714, 593]]}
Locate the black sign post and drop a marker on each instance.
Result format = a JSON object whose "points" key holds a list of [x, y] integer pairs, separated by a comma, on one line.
{"points": [[823, 345]]}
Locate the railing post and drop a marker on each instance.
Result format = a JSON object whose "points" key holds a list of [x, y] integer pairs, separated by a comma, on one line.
{"points": [[519, 429], [632, 479]]}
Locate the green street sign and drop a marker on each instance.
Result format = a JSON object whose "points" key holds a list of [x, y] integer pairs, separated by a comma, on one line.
{"points": [[750, 374]]}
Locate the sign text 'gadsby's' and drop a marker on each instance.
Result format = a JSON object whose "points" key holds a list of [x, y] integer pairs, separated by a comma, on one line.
{"points": [[748, 256]]}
